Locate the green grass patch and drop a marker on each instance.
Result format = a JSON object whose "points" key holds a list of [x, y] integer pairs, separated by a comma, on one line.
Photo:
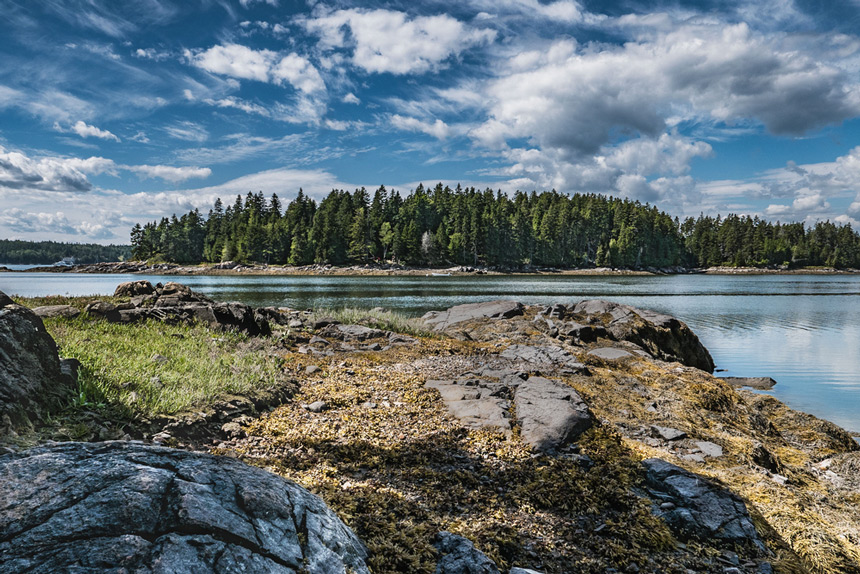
{"points": [[152, 368]]}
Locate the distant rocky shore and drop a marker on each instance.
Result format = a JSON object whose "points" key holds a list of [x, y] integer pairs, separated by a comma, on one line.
{"points": [[236, 268], [503, 438]]}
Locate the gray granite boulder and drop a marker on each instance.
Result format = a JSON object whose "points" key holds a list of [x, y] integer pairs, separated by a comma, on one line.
{"points": [[701, 509], [459, 556], [663, 336], [32, 383], [134, 289], [124, 507], [441, 320], [551, 414]]}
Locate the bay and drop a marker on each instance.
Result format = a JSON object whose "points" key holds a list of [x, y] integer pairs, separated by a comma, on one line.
{"points": [[802, 330]]}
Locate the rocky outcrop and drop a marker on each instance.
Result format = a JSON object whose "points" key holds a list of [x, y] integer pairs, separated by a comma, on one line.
{"points": [[442, 320], [125, 507], [177, 303], [32, 383], [550, 415], [459, 556], [696, 507], [67, 311], [663, 336]]}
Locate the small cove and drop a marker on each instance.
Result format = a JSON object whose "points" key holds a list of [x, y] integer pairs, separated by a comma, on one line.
{"points": [[802, 330]]}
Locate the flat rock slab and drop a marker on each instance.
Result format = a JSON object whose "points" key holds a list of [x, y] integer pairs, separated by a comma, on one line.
{"points": [[551, 414], [760, 383], [441, 320], [66, 311], [352, 332], [474, 405], [610, 353], [544, 356], [124, 507], [701, 508], [667, 433]]}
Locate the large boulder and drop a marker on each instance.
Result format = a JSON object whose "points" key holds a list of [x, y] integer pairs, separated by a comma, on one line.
{"points": [[442, 320], [134, 289], [125, 507], [663, 336], [697, 507], [32, 383]]}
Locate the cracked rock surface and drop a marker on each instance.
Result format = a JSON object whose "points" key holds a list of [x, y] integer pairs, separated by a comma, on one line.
{"points": [[128, 507]]}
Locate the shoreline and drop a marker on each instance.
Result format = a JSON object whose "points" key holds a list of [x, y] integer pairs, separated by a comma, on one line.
{"points": [[236, 269]]}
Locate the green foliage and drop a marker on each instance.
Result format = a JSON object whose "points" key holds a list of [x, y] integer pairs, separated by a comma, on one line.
{"points": [[441, 226], [34, 252], [152, 368]]}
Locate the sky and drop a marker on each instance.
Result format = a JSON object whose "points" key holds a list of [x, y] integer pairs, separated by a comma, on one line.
{"points": [[114, 112]]}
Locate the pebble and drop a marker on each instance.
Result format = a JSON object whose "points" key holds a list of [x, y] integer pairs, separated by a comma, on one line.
{"points": [[311, 369], [317, 406]]}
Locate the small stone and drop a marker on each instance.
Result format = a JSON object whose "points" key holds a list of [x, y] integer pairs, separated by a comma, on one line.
{"points": [[695, 457], [318, 340], [517, 570], [162, 437], [160, 359], [667, 433], [311, 369], [232, 430], [368, 405], [317, 406], [779, 479], [295, 324], [710, 449], [374, 347], [667, 506]]}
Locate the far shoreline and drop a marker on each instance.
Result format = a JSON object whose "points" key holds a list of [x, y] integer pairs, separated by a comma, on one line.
{"points": [[382, 270]]}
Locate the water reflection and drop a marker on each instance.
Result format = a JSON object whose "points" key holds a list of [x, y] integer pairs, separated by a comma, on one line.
{"points": [[804, 331]]}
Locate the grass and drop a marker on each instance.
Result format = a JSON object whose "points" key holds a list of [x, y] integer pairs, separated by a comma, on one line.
{"points": [[152, 368]]}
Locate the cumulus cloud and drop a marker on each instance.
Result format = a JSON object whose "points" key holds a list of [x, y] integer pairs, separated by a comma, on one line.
{"points": [[437, 129], [388, 41], [85, 131], [244, 63], [20, 172], [351, 99]]}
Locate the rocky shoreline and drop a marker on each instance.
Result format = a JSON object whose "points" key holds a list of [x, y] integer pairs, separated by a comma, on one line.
{"points": [[235, 268], [501, 438]]}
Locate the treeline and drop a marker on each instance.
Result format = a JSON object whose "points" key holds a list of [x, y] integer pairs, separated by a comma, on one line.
{"points": [[442, 226], [36, 252]]}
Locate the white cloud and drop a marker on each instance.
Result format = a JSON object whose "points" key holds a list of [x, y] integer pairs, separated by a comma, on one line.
{"points": [[169, 173], [20, 172], [85, 130], [299, 73], [387, 41], [247, 3], [437, 129], [351, 99], [241, 62], [247, 107], [566, 11]]}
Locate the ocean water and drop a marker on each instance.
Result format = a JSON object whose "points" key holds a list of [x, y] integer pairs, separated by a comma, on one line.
{"points": [[802, 330]]}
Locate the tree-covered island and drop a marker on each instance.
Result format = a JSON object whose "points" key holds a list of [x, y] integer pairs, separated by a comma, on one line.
{"points": [[467, 226]]}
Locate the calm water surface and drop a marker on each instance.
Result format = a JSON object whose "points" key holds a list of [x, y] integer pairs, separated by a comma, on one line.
{"points": [[804, 331]]}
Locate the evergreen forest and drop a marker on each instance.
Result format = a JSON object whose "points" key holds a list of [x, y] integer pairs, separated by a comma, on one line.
{"points": [[466, 226], [15, 251]]}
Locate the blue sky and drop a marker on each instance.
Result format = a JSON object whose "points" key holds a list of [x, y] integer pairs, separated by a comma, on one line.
{"points": [[116, 112]]}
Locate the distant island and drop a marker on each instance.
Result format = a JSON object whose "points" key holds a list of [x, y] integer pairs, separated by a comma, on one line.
{"points": [[442, 227], [15, 251]]}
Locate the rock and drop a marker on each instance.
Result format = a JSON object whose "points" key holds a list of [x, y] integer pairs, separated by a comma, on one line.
{"points": [[703, 509], [544, 356], [610, 353], [661, 335], [120, 507], [32, 383], [551, 414], [517, 570], [103, 310], [582, 333], [226, 265], [439, 321], [760, 383], [474, 406], [67, 311], [351, 332], [317, 406], [323, 322], [667, 433], [295, 324], [710, 449], [232, 430], [134, 289], [176, 294], [765, 459], [459, 556], [312, 369]]}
